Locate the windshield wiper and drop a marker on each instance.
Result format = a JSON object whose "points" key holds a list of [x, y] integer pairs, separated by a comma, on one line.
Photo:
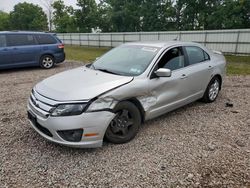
{"points": [[107, 71]]}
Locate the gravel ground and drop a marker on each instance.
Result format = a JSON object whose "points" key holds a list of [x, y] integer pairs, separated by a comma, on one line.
{"points": [[199, 145]]}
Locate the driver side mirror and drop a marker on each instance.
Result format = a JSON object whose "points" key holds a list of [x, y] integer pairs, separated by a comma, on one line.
{"points": [[163, 72]]}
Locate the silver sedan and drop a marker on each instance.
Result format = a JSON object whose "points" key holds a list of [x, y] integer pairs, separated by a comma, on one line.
{"points": [[128, 85]]}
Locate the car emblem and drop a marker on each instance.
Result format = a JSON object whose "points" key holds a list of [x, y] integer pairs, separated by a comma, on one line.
{"points": [[36, 103]]}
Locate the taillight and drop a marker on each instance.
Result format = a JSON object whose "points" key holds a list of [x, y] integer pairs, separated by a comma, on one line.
{"points": [[61, 46]]}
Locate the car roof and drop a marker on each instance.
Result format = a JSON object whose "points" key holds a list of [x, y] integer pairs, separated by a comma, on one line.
{"points": [[162, 44], [24, 32]]}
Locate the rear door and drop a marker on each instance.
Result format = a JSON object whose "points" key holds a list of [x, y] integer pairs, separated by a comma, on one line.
{"points": [[4, 51], [199, 69], [24, 49]]}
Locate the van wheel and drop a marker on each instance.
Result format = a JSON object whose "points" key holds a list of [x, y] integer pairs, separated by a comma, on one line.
{"points": [[47, 62], [125, 124], [212, 90]]}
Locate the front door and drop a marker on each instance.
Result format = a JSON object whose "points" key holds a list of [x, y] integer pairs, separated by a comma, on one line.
{"points": [[170, 92]]}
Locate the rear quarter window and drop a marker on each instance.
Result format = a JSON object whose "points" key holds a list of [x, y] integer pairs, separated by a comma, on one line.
{"points": [[46, 39]]}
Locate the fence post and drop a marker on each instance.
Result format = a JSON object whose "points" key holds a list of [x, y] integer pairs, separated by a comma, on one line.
{"points": [[99, 37], [63, 38], [80, 42], [88, 38], [123, 39], [180, 35], [111, 42], [237, 42], [205, 42], [70, 37]]}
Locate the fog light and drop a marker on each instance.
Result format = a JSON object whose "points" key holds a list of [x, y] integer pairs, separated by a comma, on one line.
{"points": [[71, 135]]}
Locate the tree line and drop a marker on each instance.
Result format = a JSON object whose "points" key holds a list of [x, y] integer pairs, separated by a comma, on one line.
{"points": [[130, 15]]}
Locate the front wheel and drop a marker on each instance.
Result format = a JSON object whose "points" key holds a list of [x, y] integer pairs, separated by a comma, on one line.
{"points": [[47, 62], [212, 90], [125, 124]]}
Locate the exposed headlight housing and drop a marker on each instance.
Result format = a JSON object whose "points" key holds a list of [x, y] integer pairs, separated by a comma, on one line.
{"points": [[102, 104], [68, 109]]}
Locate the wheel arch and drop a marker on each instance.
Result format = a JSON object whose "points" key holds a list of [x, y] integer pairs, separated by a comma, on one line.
{"points": [[137, 103], [219, 77], [44, 54]]}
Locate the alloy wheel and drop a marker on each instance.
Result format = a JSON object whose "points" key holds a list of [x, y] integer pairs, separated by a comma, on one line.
{"points": [[47, 62], [122, 122], [214, 90]]}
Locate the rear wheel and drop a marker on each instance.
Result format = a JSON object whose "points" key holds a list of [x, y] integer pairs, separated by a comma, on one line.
{"points": [[47, 62], [212, 90], [125, 124]]}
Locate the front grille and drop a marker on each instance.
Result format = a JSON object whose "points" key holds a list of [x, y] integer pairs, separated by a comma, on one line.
{"points": [[37, 112], [38, 126], [38, 102]]}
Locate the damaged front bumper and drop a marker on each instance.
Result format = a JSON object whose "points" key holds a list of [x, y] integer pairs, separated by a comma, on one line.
{"points": [[92, 124]]}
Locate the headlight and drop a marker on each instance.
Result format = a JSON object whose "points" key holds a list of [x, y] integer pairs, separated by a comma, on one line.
{"points": [[68, 109], [102, 103]]}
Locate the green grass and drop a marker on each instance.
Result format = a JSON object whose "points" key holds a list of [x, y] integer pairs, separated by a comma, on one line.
{"points": [[237, 65], [84, 54]]}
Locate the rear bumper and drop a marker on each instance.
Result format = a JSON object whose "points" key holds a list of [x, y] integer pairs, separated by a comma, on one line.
{"points": [[96, 122], [59, 57]]}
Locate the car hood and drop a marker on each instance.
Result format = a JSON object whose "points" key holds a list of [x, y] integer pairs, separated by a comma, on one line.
{"points": [[79, 84]]}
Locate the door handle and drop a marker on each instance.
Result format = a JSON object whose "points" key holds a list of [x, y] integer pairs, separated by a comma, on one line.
{"points": [[210, 67], [183, 76]]}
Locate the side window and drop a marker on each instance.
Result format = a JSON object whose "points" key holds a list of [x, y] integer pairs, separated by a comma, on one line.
{"points": [[20, 40], [46, 39], [196, 55], [3, 42], [173, 59]]}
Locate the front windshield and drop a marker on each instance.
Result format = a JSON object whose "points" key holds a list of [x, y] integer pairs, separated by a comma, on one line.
{"points": [[127, 60]]}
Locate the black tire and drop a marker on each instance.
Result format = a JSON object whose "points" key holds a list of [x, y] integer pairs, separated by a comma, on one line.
{"points": [[207, 97], [125, 125], [47, 61]]}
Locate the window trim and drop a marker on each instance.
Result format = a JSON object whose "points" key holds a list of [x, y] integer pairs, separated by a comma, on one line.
{"points": [[204, 52]]}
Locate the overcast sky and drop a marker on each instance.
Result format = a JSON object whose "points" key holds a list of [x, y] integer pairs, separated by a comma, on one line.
{"points": [[8, 5]]}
